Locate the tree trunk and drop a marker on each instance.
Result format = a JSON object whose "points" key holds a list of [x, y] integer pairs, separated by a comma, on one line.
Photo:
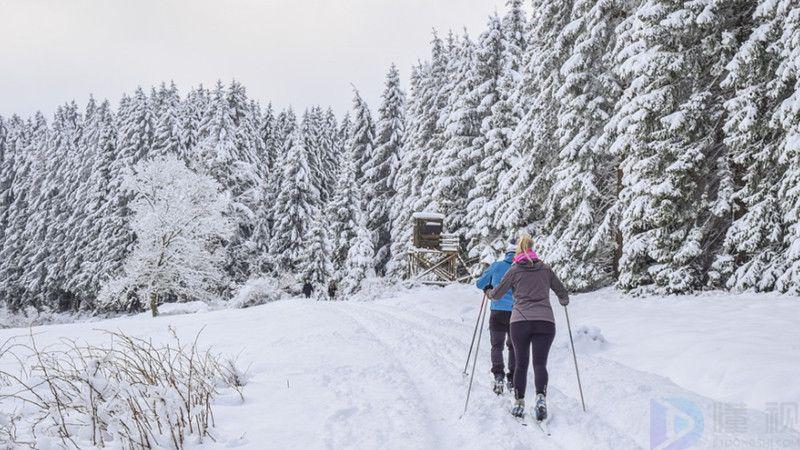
{"points": [[154, 304], [617, 232]]}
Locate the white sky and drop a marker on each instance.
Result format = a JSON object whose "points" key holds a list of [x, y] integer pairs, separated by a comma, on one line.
{"points": [[298, 52]]}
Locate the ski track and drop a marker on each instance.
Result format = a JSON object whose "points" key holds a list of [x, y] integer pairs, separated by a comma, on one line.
{"points": [[488, 413], [349, 427]]}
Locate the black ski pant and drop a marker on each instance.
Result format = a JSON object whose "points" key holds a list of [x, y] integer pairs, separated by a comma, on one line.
{"points": [[534, 336], [499, 335]]}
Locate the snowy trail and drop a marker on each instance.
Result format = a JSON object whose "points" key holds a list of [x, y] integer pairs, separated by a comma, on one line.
{"points": [[407, 338], [387, 374]]}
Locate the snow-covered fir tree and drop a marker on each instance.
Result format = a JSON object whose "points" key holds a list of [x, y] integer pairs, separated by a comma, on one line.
{"points": [[402, 207], [168, 133], [752, 244], [226, 151], [361, 137], [524, 187], [343, 212], [425, 135], [460, 125], [294, 207], [360, 258], [6, 178], [330, 154], [192, 112], [666, 137], [580, 236], [380, 169], [268, 134], [787, 117], [490, 149], [315, 266]]}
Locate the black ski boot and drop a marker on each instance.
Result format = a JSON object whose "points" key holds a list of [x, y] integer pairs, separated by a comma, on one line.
{"points": [[498, 384], [540, 410], [518, 408]]}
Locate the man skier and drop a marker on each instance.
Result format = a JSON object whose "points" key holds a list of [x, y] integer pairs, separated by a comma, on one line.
{"points": [[307, 289], [499, 320]]}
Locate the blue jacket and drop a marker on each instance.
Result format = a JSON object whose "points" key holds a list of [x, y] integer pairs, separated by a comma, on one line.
{"points": [[492, 276]]}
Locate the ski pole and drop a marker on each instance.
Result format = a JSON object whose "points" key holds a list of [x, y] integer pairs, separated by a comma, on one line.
{"points": [[471, 344], [575, 359], [475, 359]]}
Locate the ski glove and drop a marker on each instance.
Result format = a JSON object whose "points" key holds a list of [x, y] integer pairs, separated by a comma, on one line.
{"points": [[488, 289]]}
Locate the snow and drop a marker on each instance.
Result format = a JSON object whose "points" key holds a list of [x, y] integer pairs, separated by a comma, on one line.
{"points": [[427, 215], [730, 347], [193, 307], [386, 373]]}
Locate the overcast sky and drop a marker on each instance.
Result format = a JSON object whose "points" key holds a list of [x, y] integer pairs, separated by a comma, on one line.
{"points": [[292, 52]]}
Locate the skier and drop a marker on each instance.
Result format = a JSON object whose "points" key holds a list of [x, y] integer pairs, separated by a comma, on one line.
{"points": [[499, 320], [532, 322], [307, 289], [332, 289]]}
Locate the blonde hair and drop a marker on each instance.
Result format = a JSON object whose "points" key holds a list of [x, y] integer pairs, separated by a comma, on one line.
{"points": [[524, 242]]}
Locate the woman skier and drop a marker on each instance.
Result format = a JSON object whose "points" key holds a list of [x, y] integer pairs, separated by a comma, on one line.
{"points": [[532, 323], [499, 320]]}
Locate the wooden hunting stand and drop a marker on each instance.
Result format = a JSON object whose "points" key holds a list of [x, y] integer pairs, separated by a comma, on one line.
{"points": [[435, 256]]}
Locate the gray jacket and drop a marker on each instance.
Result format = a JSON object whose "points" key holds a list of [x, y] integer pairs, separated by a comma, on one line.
{"points": [[530, 282]]}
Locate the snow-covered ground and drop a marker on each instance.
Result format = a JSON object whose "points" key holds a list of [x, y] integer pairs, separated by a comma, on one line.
{"points": [[387, 373]]}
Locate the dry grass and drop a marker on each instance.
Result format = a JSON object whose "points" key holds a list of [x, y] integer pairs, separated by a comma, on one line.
{"points": [[131, 392]]}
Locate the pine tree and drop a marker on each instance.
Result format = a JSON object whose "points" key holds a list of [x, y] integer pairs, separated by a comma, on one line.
{"points": [[24, 143], [100, 225], [579, 237], [293, 210], [46, 272], [192, 111], [227, 152], [360, 258], [343, 134], [752, 253], [461, 127], [404, 181], [426, 134], [167, 137], [316, 267], [343, 212], [312, 130], [488, 149], [787, 117], [379, 169], [361, 139], [7, 171], [525, 185], [330, 154], [136, 127], [666, 136], [263, 220]]}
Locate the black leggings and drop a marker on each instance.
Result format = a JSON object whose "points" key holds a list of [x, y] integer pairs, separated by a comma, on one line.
{"points": [[527, 335]]}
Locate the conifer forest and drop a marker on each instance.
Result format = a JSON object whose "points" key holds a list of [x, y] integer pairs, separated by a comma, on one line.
{"points": [[652, 145]]}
